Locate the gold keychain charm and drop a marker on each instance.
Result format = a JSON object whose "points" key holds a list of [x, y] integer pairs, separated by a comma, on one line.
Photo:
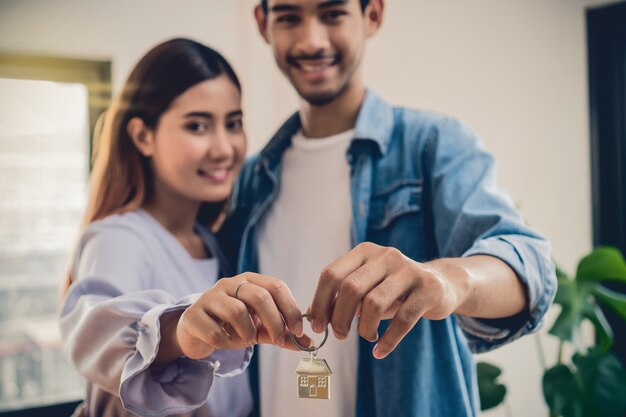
{"points": [[312, 374]]}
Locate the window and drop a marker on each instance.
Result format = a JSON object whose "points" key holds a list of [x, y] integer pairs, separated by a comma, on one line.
{"points": [[321, 382], [48, 108], [606, 42], [303, 381]]}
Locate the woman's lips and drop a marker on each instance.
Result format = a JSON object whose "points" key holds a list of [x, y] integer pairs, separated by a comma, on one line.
{"points": [[215, 174]]}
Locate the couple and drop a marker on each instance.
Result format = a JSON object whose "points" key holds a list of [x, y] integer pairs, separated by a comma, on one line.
{"points": [[385, 223]]}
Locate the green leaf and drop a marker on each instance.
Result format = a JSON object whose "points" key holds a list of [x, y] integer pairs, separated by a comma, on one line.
{"points": [[602, 327], [573, 305], [578, 297], [613, 299], [562, 394], [603, 264], [491, 392], [604, 379]]}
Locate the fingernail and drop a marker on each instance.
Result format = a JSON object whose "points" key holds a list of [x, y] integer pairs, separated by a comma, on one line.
{"points": [[316, 326], [299, 329], [280, 340], [379, 353], [338, 335], [372, 339]]}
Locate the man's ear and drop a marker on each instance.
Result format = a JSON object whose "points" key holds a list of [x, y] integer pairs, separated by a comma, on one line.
{"points": [[261, 21], [373, 16], [142, 137]]}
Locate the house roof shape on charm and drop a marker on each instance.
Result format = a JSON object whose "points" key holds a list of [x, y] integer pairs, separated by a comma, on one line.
{"points": [[313, 377]]}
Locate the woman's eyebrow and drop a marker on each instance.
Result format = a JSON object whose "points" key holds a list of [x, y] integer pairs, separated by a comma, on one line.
{"points": [[234, 113], [204, 114]]}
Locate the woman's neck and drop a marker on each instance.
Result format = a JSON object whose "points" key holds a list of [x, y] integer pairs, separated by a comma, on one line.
{"points": [[176, 215]]}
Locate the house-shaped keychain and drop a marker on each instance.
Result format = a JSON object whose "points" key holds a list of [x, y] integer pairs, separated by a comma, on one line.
{"points": [[313, 377]]}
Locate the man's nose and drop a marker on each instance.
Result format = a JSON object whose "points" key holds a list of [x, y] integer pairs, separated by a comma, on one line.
{"points": [[314, 37]]}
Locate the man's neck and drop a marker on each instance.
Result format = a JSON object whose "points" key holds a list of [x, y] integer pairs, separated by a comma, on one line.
{"points": [[335, 117]]}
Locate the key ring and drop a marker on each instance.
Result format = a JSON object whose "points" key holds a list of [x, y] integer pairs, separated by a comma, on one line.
{"points": [[312, 348]]}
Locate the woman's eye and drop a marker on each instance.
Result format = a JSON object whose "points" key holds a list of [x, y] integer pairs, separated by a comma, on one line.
{"points": [[197, 127], [235, 125]]}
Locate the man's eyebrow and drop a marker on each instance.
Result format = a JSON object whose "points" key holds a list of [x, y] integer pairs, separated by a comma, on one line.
{"points": [[332, 3], [284, 7]]}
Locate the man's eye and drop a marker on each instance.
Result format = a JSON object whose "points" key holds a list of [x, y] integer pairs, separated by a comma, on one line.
{"points": [[289, 19], [332, 15], [197, 127]]}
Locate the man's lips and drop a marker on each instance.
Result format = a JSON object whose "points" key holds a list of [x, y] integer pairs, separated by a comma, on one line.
{"points": [[314, 69], [312, 65]]}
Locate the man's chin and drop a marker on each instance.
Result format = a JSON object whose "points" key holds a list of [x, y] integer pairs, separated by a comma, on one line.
{"points": [[320, 98]]}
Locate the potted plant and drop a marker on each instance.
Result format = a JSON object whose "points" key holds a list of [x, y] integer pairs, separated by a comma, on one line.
{"points": [[592, 382]]}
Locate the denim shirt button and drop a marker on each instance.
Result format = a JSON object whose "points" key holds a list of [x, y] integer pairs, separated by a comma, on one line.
{"points": [[362, 209]]}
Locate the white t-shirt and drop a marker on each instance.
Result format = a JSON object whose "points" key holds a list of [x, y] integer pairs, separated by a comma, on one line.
{"points": [[305, 229]]}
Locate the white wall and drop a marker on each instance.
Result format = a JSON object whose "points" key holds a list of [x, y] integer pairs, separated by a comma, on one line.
{"points": [[513, 70]]}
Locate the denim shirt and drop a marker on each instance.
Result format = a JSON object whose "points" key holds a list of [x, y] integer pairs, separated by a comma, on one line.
{"points": [[422, 183]]}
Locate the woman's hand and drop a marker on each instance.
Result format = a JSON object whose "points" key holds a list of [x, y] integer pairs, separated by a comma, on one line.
{"points": [[235, 313]]}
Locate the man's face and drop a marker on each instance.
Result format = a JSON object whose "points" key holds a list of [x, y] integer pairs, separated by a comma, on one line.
{"points": [[317, 44]]}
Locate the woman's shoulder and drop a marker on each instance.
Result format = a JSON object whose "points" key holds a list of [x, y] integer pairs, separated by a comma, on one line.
{"points": [[126, 231]]}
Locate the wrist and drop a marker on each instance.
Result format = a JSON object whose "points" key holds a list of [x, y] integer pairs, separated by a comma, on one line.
{"points": [[169, 346], [459, 279]]}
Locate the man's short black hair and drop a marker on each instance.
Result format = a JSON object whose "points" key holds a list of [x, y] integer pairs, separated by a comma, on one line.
{"points": [[364, 4]]}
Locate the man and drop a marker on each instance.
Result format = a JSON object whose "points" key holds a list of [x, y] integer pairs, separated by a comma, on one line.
{"points": [[388, 223]]}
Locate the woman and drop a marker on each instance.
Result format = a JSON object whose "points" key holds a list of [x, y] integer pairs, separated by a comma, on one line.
{"points": [[144, 320]]}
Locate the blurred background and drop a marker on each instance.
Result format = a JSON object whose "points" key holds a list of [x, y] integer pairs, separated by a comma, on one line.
{"points": [[516, 71]]}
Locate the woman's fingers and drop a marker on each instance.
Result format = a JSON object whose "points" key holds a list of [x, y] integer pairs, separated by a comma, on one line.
{"points": [[281, 297]]}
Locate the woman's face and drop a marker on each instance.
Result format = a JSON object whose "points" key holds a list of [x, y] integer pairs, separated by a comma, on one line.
{"points": [[199, 143]]}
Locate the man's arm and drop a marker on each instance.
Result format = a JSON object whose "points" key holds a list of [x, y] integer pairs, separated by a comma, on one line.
{"points": [[380, 283], [492, 265]]}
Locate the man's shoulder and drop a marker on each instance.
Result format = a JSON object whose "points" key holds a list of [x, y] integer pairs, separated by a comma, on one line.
{"points": [[432, 126]]}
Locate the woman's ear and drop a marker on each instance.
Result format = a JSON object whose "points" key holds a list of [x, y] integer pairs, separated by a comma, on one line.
{"points": [[142, 137]]}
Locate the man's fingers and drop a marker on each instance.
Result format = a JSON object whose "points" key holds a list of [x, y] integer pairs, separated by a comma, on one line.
{"points": [[406, 318], [379, 301], [352, 292], [329, 281]]}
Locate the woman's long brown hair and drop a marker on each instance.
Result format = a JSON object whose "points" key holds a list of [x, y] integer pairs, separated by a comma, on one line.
{"points": [[121, 179]]}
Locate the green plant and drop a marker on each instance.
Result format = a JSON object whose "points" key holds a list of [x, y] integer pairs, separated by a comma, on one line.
{"points": [[592, 383]]}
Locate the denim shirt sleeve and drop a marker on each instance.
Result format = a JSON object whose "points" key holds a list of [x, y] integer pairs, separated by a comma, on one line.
{"points": [[474, 217], [110, 323]]}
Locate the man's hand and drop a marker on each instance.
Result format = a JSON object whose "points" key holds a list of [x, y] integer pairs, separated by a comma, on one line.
{"points": [[378, 283]]}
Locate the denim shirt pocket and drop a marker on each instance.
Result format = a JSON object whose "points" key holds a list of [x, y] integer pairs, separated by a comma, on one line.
{"points": [[399, 199], [396, 218]]}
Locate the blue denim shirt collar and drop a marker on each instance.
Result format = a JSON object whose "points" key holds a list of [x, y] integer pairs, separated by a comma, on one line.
{"points": [[374, 123]]}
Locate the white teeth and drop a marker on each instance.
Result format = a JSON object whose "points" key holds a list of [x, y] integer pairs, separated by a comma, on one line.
{"points": [[311, 68], [218, 174]]}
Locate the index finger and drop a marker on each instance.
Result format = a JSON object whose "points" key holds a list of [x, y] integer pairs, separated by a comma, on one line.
{"points": [[328, 284], [283, 298]]}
